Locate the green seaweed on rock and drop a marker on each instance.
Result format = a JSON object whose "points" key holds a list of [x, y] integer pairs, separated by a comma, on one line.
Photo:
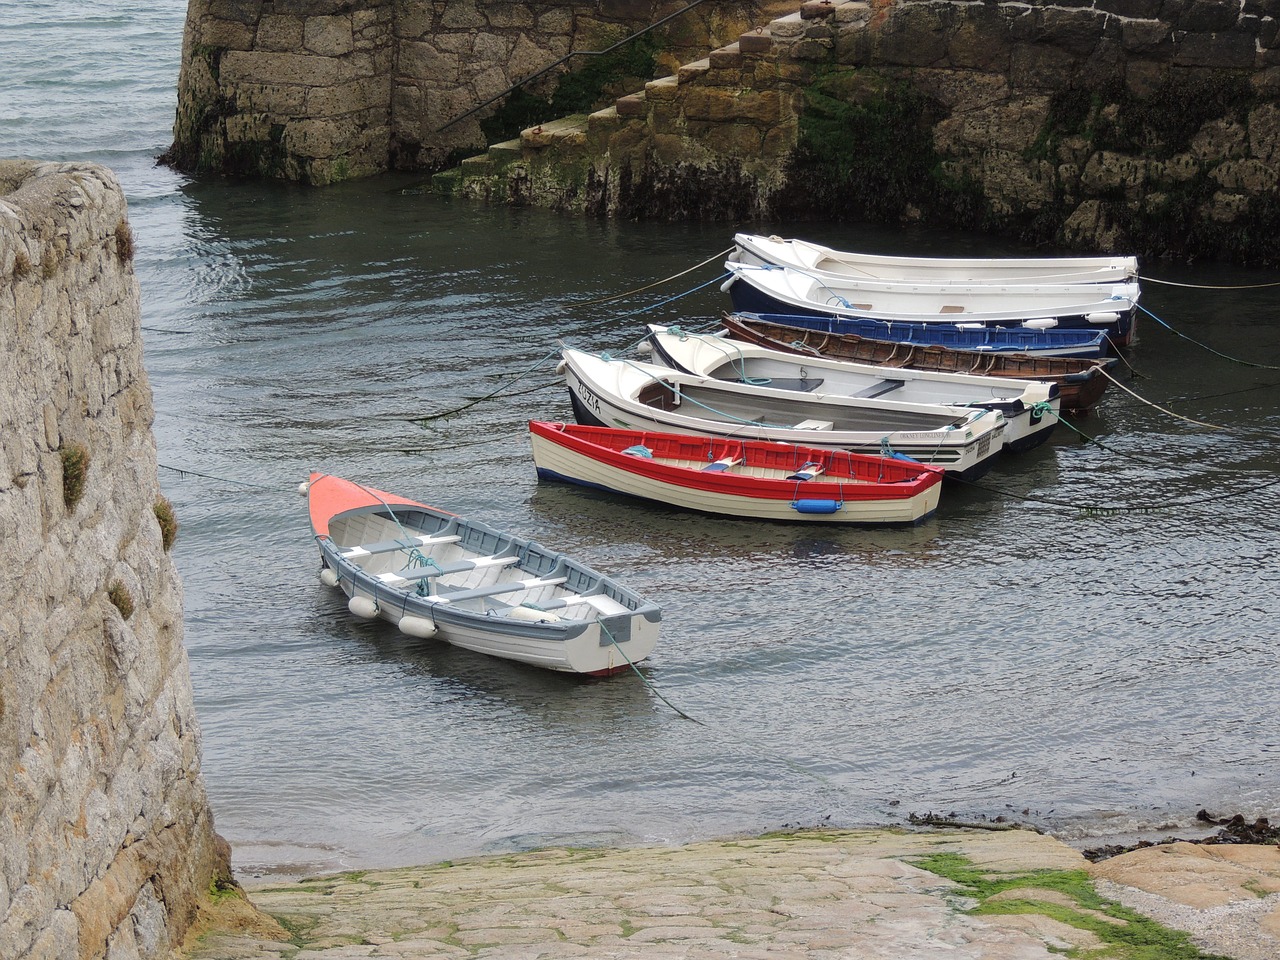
{"points": [[1124, 933], [865, 151], [579, 91]]}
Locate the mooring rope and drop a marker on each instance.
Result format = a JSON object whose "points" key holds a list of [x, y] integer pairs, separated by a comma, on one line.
{"points": [[488, 396], [1210, 286], [754, 748], [1204, 346], [655, 283], [1102, 446], [1177, 416], [499, 390], [636, 670], [1089, 510], [182, 472]]}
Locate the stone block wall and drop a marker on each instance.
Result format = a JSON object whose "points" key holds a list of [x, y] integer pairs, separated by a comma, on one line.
{"points": [[1104, 118], [295, 89], [106, 838], [1117, 123], [325, 90]]}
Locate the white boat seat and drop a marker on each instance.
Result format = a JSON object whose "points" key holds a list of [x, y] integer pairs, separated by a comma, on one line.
{"points": [[603, 603], [879, 389], [493, 589], [561, 602], [440, 569], [387, 546]]}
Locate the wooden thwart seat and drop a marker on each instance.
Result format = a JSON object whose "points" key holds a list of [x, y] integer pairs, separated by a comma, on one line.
{"points": [[440, 569], [387, 546], [495, 589]]}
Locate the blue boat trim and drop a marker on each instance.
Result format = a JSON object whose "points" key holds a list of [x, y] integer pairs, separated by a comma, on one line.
{"points": [[999, 339]]}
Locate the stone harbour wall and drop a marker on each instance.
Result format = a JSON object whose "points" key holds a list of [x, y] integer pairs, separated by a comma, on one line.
{"points": [[296, 89], [325, 90], [106, 838], [1147, 125], [1152, 127]]}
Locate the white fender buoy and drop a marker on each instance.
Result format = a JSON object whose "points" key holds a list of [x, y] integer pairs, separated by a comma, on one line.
{"points": [[303, 487], [329, 576], [532, 615], [418, 627], [363, 607]]}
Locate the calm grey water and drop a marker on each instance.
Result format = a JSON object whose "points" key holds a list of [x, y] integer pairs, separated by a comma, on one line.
{"points": [[1096, 673]]}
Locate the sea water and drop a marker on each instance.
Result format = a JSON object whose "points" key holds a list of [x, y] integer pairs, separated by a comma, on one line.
{"points": [[1085, 640]]}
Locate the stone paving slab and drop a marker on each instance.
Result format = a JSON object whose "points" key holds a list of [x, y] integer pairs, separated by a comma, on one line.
{"points": [[814, 895], [1226, 895]]}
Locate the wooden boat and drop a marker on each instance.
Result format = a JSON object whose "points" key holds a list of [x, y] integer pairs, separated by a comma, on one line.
{"points": [[755, 249], [976, 337], [770, 288], [738, 478], [1030, 407], [634, 395], [1081, 382], [435, 574]]}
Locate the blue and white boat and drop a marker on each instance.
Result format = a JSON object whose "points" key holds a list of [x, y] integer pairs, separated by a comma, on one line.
{"points": [[772, 288], [435, 574]]}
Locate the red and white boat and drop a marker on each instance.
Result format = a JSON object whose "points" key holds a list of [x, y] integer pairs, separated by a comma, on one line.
{"points": [[757, 479]]}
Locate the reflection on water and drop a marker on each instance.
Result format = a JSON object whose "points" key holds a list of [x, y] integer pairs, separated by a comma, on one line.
{"points": [[1038, 645]]}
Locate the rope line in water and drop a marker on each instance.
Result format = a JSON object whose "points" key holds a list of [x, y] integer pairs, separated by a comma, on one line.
{"points": [[488, 396], [499, 390], [209, 476], [1107, 511], [755, 748], [1177, 416], [1210, 286], [1204, 346], [636, 670], [656, 283]]}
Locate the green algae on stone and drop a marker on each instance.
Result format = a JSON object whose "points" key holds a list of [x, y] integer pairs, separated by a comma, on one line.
{"points": [[121, 598], [1126, 934], [865, 150], [579, 91], [75, 471]]}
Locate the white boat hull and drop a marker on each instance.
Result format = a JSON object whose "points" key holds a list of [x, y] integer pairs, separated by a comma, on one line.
{"points": [[876, 268], [437, 575], [590, 652], [608, 393], [774, 289], [1031, 408]]}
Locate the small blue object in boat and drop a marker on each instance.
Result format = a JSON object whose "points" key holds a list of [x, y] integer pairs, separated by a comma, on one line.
{"points": [[724, 463], [807, 472], [815, 506], [639, 450]]}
